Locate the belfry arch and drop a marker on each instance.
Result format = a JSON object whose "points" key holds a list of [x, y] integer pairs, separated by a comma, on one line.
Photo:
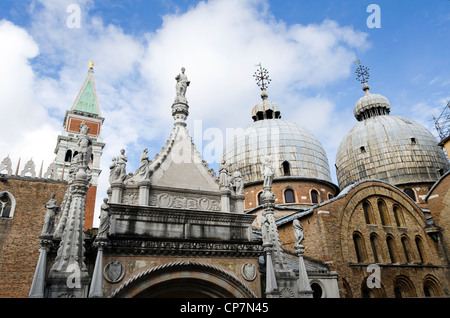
{"points": [[183, 280]]}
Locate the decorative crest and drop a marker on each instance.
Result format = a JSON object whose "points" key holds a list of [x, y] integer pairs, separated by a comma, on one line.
{"points": [[262, 77], [362, 73], [91, 64]]}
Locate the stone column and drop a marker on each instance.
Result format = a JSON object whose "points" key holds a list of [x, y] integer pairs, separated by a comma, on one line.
{"points": [[117, 189], [304, 289], [96, 290], [239, 205], [144, 192], [271, 280], [38, 285], [225, 199]]}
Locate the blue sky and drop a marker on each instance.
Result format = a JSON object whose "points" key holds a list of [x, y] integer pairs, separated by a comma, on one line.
{"points": [[139, 46]]}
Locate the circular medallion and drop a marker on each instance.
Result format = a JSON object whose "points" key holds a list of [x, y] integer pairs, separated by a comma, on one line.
{"points": [[114, 271], [248, 271]]}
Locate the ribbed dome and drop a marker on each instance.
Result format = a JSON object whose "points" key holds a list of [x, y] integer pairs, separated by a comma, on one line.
{"points": [[389, 148], [283, 141], [371, 105]]}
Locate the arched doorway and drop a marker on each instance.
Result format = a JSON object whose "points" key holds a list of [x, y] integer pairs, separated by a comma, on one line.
{"points": [[184, 280]]}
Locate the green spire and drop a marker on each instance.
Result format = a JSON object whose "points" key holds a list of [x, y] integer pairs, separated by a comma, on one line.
{"points": [[87, 98]]}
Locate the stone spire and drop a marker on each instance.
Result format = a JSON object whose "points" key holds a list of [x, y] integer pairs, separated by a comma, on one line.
{"points": [[68, 275]]}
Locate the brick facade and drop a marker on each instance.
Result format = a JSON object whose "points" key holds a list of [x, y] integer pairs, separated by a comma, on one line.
{"points": [[330, 231], [301, 188], [19, 248]]}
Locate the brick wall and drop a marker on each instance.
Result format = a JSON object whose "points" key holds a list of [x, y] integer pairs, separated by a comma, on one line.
{"points": [[19, 248], [302, 190], [329, 238]]}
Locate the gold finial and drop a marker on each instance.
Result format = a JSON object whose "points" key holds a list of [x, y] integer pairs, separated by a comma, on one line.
{"points": [[91, 64]]}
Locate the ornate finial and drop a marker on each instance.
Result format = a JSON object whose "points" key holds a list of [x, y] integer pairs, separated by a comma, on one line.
{"points": [[91, 65], [362, 73], [262, 79]]}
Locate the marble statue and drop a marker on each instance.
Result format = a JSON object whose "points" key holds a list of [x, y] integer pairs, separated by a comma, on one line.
{"points": [[104, 219], [49, 219], [223, 175], [118, 168], [84, 144], [144, 164], [238, 182], [298, 232], [267, 172], [181, 87]]}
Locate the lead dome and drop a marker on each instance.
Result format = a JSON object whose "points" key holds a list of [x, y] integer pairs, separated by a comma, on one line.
{"points": [[389, 148], [294, 151]]}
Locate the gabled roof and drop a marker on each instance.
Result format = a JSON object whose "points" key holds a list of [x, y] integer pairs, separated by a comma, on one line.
{"points": [[180, 165], [86, 100]]}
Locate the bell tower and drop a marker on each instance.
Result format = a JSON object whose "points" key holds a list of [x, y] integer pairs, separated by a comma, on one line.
{"points": [[85, 109]]}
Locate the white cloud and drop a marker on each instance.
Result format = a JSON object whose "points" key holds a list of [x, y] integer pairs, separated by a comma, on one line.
{"points": [[219, 42]]}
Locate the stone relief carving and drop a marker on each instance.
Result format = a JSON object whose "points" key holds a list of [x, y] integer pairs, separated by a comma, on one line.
{"points": [[6, 165], [286, 292], [248, 271], [131, 198], [114, 271], [166, 200], [51, 172], [29, 168]]}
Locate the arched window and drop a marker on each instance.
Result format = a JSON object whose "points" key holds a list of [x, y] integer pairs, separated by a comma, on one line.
{"points": [[360, 249], [391, 249], [420, 249], [286, 169], [403, 287], [260, 198], [398, 215], [7, 205], [314, 196], [375, 248], [330, 196], [289, 196], [368, 213], [68, 157], [317, 290], [432, 287], [406, 249], [410, 193], [383, 212]]}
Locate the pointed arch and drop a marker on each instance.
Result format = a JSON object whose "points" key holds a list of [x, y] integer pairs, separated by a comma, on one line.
{"points": [[184, 279]]}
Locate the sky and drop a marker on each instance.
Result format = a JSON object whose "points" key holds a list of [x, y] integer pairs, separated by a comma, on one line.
{"points": [[139, 46]]}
